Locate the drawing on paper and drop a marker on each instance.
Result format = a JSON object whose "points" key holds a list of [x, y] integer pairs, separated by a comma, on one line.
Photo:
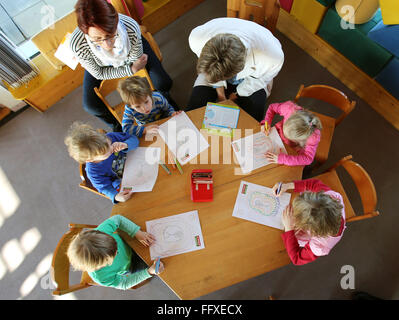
{"points": [[264, 203], [251, 151], [258, 204], [175, 234]]}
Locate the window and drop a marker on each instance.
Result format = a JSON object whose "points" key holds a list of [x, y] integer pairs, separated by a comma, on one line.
{"points": [[22, 19]]}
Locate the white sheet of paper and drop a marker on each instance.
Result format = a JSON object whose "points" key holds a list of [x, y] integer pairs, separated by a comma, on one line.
{"points": [[183, 138], [258, 204], [65, 54], [175, 234], [141, 169], [250, 151]]}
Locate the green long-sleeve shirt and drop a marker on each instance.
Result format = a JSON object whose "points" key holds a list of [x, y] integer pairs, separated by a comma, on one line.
{"points": [[118, 275]]}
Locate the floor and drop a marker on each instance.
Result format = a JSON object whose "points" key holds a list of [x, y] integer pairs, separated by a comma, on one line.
{"points": [[39, 193]]}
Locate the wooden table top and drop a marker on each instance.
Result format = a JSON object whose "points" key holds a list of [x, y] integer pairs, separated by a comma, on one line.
{"points": [[235, 249]]}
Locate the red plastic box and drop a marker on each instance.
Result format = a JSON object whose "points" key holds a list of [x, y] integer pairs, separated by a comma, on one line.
{"points": [[203, 190]]}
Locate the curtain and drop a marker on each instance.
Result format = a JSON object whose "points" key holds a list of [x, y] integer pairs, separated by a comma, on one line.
{"points": [[15, 70]]}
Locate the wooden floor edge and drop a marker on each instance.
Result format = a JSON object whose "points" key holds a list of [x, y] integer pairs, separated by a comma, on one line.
{"points": [[355, 79]]}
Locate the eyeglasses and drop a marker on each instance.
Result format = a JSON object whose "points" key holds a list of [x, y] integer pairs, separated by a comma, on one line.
{"points": [[109, 39]]}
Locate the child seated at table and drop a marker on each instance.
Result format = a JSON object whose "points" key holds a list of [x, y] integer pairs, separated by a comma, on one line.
{"points": [[299, 128], [315, 221], [107, 258], [142, 105], [104, 155]]}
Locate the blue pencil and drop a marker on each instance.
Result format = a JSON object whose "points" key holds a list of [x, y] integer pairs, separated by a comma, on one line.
{"points": [[279, 188], [157, 265]]}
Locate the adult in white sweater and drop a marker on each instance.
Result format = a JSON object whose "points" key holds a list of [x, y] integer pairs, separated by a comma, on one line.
{"points": [[237, 59]]}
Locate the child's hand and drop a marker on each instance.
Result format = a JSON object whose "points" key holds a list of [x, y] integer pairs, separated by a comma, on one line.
{"points": [[118, 146], [123, 196], [151, 270], [145, 238], [288, 218], [284, 188], [153, 129], [272, 157], [176, 113], [264, 130], [233, 96]]}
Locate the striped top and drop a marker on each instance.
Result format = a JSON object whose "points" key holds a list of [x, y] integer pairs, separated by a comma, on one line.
{"points": [[160, 109], [94, 65]]}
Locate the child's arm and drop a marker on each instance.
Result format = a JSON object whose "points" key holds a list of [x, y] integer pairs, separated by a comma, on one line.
{"points": [[164, 104], [282, 108], [305, 155], [102, 183], [313, 185], [298, 255], [128, 125]]}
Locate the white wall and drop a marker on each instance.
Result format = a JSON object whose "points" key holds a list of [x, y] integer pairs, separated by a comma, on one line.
{"points": [[8, 100]]}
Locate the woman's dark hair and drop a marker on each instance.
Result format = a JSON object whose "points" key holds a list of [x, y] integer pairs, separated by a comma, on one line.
{"points": [[98, 14]]}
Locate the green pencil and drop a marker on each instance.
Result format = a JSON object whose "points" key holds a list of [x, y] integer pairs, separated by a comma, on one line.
{"points": [[179, 166], [165, 167]]}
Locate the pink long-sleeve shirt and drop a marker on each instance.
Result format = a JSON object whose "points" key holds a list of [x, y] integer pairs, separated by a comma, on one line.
{"points": [[304, 155]]}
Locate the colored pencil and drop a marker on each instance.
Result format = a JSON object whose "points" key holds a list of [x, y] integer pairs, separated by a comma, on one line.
{"points": [[165, 167], [179, 166]]}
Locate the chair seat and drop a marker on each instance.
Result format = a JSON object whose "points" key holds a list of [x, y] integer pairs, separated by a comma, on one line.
{"points": [[327, 133], [331, 179]]}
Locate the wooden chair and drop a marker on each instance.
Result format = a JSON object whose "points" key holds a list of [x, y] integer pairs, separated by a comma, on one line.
{"points": [[263, 12], [107, 87], [60, 265], [334, 97], [86, 183], [364, 185]]}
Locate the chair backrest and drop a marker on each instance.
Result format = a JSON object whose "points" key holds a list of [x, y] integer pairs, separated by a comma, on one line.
{"points": [[330, 95], [364, 185], [86, 183], [263, 12], [60, 265], [110, 97]]}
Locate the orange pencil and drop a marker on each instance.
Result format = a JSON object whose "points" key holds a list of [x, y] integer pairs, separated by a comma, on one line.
{"points": [[171, 160]]}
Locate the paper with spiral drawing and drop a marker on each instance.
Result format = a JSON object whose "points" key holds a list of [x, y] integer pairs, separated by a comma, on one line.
{"points": [[258, 204], [175, 234], [251, 151]]}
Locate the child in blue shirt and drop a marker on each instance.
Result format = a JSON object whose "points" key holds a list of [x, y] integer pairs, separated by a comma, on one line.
{"points": [[104, 155], [142, 105]]}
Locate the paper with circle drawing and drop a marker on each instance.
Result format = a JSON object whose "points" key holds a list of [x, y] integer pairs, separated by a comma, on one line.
{"points": [[175, 234], [258, 204], [141, 169], [251, 151], [183, 138]]}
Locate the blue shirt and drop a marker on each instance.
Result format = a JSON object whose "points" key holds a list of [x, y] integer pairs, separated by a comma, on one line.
{"points": [[101, 174], [160, 109]]}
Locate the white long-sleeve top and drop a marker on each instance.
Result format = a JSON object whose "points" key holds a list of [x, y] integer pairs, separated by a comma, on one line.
{"points": [[264, 54]]}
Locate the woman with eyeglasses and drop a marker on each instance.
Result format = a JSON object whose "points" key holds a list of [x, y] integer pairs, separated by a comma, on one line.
{"points": [[109, 45]]}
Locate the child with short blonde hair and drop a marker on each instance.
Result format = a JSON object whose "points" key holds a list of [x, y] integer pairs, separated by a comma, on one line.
{"points": [[315, 221], [104, 155], [299, 128], [107, 257], [142, 105]]}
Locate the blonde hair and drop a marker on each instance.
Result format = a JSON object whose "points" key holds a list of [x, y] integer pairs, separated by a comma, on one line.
{"points": [[317, 213], [222, 57], [300, 126], [85, 143], [91, 250], [134, 89]]}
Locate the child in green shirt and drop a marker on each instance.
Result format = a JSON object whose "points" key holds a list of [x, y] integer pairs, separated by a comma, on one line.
{"points": [[107, 258]]}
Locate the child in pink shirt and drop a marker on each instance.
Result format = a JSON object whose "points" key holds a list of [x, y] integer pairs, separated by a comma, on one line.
{"points": [[299, 129], [314, 223]]}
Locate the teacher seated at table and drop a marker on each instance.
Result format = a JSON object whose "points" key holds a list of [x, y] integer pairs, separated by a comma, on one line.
{"points": [[109, 46], [237, 60]]}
